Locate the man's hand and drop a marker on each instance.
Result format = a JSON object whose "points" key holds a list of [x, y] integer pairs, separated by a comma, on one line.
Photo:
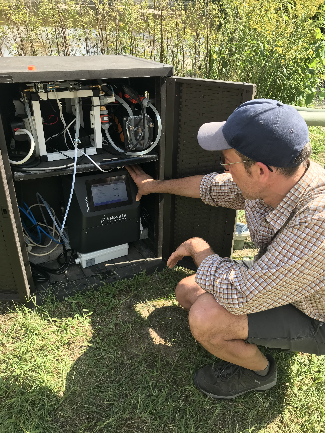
{"points": [[142, 180], [186, 186], [196, 248]]}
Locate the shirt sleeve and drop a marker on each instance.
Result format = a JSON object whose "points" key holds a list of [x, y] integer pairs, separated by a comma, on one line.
{"points": [[220, 190], [291, 271]]}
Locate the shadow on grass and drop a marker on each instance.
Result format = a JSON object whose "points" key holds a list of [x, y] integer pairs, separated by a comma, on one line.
{"points": [[137, 374]]}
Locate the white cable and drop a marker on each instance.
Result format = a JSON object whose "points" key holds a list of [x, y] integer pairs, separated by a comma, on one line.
{"points": [[31, 150], [61, 117], [157, 138], [76, 142], [67, 127], [96, 165]]}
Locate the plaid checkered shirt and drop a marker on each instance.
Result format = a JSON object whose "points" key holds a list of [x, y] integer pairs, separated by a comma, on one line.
{"points": [[292, 271]]}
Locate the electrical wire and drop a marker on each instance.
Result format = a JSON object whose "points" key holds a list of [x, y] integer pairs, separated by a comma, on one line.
{"points": [[28, 213], [40, 272], [31, 150], [32, 244], [49, 229], [76, 142], [45, 224], [62, 132], [62, 233], [61, 117], [62, 268]]}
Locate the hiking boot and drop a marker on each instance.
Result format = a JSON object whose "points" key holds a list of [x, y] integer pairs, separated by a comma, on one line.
{"points": [[226, 380]]}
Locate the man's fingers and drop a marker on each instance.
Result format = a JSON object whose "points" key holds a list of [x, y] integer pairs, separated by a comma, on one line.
{"points": [[130, 169], [173, 259], [138, 197], [134, 169]]}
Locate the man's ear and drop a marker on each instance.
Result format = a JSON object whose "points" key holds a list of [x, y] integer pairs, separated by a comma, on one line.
{"points": [[264, 172]]}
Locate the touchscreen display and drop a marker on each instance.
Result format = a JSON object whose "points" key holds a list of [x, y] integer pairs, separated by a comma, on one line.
{"points": [[109, 193]]}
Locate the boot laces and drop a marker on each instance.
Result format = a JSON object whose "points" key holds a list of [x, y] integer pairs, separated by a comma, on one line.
{"points": [[226, 370]]}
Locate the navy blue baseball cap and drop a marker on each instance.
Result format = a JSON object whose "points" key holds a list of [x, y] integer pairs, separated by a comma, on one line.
{"points": [[264, 130]]}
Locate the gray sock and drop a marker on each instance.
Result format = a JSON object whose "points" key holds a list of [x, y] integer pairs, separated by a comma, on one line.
{"points": [[263, 372]]}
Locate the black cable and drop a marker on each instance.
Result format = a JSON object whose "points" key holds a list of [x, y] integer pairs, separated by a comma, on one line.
{"points": [[63, 267], [39, 275]]}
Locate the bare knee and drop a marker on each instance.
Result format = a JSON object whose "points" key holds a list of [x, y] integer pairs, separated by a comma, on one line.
{"points": [[187, 292], [205, 320], [181, 291], [209, 321]]}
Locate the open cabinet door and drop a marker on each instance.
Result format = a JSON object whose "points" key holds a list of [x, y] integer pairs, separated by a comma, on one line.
{"points": [[190, 103], [15, 275]]}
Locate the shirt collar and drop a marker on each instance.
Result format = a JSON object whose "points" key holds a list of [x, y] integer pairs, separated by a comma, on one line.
{"points": [[278, 216]]}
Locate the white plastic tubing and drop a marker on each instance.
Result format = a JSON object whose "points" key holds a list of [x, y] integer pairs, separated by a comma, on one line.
{"points": [[154, 144], [31, 150]]}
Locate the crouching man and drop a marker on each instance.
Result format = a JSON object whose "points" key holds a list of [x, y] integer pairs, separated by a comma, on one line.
{"points": [[277, 301]]}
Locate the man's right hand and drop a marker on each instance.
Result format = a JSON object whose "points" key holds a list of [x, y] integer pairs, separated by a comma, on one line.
{"points": [[143, 181]]}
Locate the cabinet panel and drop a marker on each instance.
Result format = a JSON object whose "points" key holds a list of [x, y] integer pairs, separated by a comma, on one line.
{"points": [[190, 103]]}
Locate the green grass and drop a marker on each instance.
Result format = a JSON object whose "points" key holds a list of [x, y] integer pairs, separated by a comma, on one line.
{"points": [[317, 140], [120, 359]]}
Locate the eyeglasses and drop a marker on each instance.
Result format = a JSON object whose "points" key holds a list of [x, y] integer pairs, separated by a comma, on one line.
{"points": [[224, 165]]}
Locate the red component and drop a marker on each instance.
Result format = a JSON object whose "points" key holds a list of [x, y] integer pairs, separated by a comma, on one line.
{"points": [[104, 118], [16, 129], [31, 68], [130, 99], [54, 120]]}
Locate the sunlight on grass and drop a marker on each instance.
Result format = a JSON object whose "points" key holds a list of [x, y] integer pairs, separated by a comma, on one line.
{"points": [[146, 308], [156, 339]]}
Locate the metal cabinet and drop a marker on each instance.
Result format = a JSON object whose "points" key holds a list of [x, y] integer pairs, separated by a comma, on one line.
{"points": [[184, 104]]}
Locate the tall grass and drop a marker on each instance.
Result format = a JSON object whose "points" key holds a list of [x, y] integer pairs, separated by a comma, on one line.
{"points": [[276, 44]]}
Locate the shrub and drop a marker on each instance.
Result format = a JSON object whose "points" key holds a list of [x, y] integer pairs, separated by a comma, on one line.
{"points": [[275, 44]]}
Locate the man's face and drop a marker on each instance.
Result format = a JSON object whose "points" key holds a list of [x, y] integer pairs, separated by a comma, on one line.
{"points": [[248, 183]]}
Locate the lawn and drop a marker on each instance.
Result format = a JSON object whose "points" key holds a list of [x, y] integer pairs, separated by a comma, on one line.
{"points": [[121, 359]]}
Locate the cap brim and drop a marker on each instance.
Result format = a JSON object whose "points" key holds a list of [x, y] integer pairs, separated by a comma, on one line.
{"points": [[210, 136]]}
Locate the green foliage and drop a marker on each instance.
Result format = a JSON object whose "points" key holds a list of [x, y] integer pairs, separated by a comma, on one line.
{"points": [[276, 44]]}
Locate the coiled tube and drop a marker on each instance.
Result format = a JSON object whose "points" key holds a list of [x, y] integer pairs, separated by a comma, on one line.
{"points": [[32, 147]]}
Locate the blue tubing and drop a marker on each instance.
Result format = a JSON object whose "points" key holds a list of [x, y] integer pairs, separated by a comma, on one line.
{"points": [[31, 217]]}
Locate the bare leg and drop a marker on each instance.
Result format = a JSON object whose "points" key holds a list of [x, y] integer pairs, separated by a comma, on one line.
{"points": [[187, 292], [221, 333]]}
